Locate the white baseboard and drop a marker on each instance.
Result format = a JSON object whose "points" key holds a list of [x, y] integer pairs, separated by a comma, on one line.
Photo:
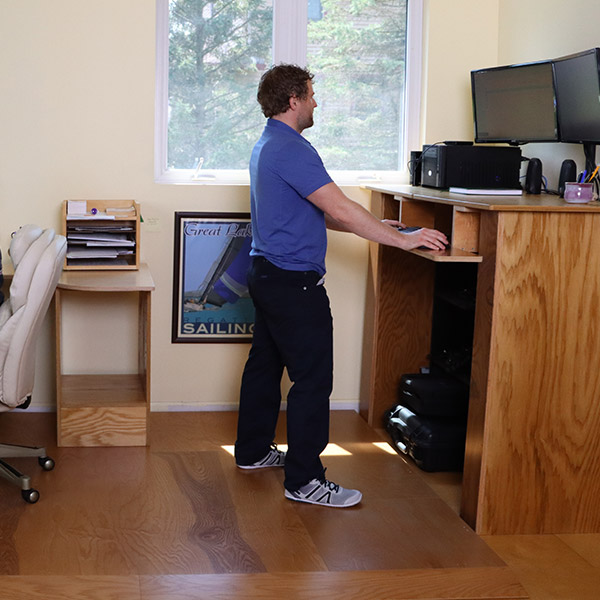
{"points": [[230, 406], [233, 406]]}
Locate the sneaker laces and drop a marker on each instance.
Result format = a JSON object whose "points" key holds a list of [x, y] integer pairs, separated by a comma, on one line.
{"points": [[334, 487]]}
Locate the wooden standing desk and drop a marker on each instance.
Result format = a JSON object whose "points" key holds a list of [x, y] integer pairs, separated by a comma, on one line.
{"points": [[532, 460]]}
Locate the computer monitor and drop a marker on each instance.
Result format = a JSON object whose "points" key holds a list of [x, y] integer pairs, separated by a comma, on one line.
{"points": [[577, 79], [515, 104]]}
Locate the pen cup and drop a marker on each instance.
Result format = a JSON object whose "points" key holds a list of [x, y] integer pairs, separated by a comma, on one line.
{"points": [[579, 193]]}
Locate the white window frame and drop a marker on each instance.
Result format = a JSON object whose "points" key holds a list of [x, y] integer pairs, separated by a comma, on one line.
{"points": [[289, 45]]}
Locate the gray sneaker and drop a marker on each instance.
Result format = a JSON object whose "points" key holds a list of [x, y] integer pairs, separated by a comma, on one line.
{"points": [[274, 458], [325, 493]]}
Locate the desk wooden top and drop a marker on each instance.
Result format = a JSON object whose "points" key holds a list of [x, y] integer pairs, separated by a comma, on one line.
{"points": [[108, 281], [524, 202]]}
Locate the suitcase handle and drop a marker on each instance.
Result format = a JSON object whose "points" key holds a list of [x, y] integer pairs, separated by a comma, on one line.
{"points": [[398, 421], [402, 447]]}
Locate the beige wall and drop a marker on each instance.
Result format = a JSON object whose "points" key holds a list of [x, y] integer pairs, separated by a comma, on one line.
{"points": [[538, 29], [532, 30], [77, 121], [460, 35]]}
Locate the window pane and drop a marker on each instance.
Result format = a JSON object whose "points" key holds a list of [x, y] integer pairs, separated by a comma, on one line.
{"points": [[217, 53], [357, 50]]}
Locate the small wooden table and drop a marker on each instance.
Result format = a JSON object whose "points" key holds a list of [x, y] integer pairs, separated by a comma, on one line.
{"points": [[105, 409]]}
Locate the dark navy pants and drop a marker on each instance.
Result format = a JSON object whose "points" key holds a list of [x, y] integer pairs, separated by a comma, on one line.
{"points": [[293, 329]]}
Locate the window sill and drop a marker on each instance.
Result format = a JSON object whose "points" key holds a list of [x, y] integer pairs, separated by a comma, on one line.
{"points": [[223, 177]]}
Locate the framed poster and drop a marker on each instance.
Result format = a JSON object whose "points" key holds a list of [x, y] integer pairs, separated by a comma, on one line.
{"points": [[210, 291]]}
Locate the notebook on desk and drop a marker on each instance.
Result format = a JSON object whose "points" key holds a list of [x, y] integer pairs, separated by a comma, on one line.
{"points": [[486, 192]]}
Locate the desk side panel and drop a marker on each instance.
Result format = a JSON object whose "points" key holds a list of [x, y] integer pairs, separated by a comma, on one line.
{"points": [[488, 239], [397, 319], [58, 339], [541, 462]]}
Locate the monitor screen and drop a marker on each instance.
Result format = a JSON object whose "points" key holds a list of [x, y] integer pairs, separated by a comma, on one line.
{"points": [[577, 82], [515, 104]]}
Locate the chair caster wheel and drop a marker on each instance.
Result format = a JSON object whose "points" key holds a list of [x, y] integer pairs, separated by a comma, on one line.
{"points": [[31, 496], [46, 463]]}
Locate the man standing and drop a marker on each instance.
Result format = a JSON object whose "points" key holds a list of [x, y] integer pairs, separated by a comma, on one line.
{"points": [[293, 200]]}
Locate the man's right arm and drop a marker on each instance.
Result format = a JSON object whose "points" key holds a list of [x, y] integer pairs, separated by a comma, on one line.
{"points": [[343, 214]]}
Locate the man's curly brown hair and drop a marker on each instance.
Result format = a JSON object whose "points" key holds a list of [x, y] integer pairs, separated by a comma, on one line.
{"points": [[278, 85]]}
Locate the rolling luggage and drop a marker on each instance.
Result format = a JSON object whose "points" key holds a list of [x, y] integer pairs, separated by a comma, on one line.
{"points": [[429, 395], [435, 444]]}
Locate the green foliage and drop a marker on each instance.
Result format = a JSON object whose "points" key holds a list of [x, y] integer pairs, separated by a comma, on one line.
{"points": [[219, 49], [216, 51], [358, 56]]}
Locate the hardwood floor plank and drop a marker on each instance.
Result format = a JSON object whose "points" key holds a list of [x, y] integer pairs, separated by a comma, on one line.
{"points": [[111, 511], [267, 521], [28, 428], [215, 529], [70, 588], [345, 427], [394, 534], [587, 545], [439, 584], [376, 473], [12, 509], [185, 431], [547, 567]]}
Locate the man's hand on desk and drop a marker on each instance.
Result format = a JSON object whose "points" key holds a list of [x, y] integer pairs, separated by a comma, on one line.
{"points": [[420, 237]]}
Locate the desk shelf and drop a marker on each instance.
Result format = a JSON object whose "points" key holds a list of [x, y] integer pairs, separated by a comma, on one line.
{"points": [[450, 255], [460, 225], [107, 390], [114, 218]]}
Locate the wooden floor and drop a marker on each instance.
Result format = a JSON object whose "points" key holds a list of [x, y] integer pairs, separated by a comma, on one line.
{"points": [[178, 520], [550, 567]]}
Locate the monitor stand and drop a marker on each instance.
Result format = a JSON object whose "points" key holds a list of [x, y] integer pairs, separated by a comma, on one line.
{"points": [[589, 150]]}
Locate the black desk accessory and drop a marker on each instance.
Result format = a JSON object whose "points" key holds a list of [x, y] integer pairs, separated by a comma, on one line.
{"points": [[568, 172], [533, 179]]}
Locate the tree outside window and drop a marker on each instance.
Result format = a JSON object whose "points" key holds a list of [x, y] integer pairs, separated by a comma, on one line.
{"points": [[217, 51], [357, 51]]}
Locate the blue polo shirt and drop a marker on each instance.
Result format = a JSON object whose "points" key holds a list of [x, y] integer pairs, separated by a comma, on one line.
{"points": [[287, 229]]}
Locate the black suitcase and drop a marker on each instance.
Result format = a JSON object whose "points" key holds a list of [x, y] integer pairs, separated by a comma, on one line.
{"points": [[433, 444], [430, 395]]}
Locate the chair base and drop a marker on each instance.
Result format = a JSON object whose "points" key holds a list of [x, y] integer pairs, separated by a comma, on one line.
{"points": [[13, 475]]}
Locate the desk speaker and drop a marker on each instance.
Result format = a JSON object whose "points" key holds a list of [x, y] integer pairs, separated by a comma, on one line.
{"points": [[568, 172], [533, 179]]}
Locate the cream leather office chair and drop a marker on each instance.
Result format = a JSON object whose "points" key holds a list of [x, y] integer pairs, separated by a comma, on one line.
{"points": [[38, 257]]}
